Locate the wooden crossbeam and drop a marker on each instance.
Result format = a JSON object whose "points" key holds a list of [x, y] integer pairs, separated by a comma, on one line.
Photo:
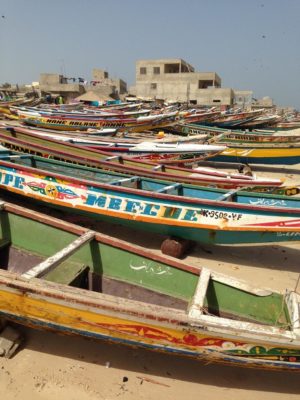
{"points": [[114, 158], [15, 156], [228, 196], [167, 189], [124, 180], [161, 167], [197, 303], [50, 263]]}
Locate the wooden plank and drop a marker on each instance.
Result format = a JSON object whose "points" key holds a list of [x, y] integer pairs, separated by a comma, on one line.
{"points": [[292, 300], [124, 180], [166, 189], [15, 156], [197, 303], [160, 167], [53, 261], [228, 196], [115, 158]]}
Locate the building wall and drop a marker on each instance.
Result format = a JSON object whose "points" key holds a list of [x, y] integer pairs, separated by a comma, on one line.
{"points": [[101, 78], [176, 80], [56, 84], [243, 98]]}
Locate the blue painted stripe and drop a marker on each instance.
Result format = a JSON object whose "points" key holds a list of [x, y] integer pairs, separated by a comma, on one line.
{"points": [[257, 160]]}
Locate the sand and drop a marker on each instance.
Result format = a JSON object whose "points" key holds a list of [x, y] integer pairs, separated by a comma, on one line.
{"points": [[50, 366]]}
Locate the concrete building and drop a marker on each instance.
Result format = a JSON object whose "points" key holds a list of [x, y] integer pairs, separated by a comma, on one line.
{"points": [[176, 80], [101, 79], [57, 84], [264, 102], [69, 89], [243, 98]]}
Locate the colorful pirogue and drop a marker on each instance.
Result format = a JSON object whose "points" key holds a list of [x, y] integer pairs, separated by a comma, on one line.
{"points": [[59, 276], [84, 123], [221, 135], [19, 139], [186, 211], [282, 154]]}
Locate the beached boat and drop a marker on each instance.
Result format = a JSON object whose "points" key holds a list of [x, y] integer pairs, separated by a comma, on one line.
{"points": [[19, 139], [273, 153], [185, 211], [233, 119], [179, 153], [82, 282], [221, 135], [84, 123]]}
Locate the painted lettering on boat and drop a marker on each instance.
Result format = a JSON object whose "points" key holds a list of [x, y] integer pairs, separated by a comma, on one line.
{"points": [[151, 268], [58, 189], [288, 234], [268, 202]]}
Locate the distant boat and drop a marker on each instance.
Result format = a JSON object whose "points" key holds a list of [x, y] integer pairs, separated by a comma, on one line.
{"points": [[264, 153], [84, 123], [20, 139], [81, 282]]}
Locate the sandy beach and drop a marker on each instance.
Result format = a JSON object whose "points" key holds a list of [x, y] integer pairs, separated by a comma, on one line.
{"points": [[50, 365]]}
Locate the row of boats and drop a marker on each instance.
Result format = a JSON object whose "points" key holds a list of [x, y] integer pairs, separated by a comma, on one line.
{"points": [[72, 279]]}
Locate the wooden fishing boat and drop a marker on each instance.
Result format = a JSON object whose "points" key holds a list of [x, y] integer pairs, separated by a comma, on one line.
{"points": [[92, 112], [81, 282], [278, 154], [221, 135], [83, 124], [178, 153], [235, 119], [185, 211], [266, 121], [19, 139]]}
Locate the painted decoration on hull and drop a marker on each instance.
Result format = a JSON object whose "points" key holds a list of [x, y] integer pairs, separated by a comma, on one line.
{"points": [[196, 344], [132, 206]]}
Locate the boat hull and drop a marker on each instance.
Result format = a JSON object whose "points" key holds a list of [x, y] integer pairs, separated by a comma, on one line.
{"points": [[69, 312], [279, 155], [216, 222], [82, 282]]}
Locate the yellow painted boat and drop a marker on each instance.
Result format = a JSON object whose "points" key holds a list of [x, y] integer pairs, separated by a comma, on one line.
{"points": [[282, 154], [59, 276]]}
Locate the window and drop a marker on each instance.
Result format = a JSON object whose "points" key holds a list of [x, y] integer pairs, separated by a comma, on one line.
{"points": [[156, 70], [143, 70], [204, 84], [172, 68], [153, 85], [216, 101]]}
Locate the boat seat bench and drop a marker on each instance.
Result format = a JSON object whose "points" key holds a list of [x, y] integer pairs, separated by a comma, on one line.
{"points": [[54, 261], [166, 189], [132, 179], [228, 196]]}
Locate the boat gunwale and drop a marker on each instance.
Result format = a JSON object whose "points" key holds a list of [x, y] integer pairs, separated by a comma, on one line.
{"points": [[154, 314]]}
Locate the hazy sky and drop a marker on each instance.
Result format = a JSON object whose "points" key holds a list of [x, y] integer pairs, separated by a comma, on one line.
{"points": [[252, 45]]}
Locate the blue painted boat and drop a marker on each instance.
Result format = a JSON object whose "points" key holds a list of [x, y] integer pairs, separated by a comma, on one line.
{"points": [[186, 211]]}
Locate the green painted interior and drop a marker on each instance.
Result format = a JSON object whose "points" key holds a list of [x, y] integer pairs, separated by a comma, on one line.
{"points": [[45, 240], [37, 238], [68, 273], [266, 309]]}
